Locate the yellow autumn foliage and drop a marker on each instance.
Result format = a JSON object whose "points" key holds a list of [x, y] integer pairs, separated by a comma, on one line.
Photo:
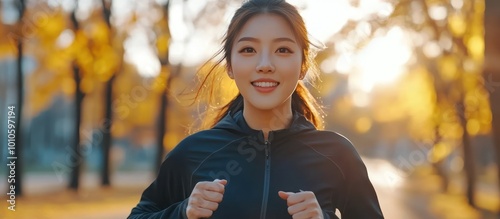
{"points": [[448, 67], [50, 26], [7, 48], [162, 43], [457, 24], [475, 46]]}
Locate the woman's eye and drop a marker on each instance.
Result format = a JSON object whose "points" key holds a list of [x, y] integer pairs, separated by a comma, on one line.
{"points": [[284, 50], [247, 50]]}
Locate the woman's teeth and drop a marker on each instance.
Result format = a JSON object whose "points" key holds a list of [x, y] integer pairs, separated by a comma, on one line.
{"points": [[265, 84]]}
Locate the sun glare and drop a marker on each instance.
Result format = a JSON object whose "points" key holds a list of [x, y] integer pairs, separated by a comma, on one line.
{"points": [[383, 60], [140, 54], [380, 60], [324, 18]]}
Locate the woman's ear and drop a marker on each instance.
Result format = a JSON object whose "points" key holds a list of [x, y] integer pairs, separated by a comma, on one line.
{"points": [[229, 72]]}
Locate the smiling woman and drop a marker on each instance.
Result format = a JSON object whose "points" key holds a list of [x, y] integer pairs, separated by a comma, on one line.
{"points": [[265, 156]]}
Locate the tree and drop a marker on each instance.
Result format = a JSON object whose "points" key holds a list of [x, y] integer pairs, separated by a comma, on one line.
{"points": [[108, 115], [163, 56], [463, 83], [20, 94], [446, 42], [206, 18], [460, 97], [491, 71], [78, 95]]}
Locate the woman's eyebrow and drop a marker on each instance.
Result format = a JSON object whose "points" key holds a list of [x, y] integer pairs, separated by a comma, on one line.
{"points": [[279, 39]]}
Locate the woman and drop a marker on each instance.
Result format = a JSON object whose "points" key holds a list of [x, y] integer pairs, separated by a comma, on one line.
{"points": [[264, 157]]}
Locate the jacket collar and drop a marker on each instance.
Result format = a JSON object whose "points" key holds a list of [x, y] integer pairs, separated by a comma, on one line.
{"points": [[235, 122]]}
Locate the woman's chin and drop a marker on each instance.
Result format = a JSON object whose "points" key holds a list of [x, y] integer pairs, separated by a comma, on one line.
{"points": [[266, 106]]}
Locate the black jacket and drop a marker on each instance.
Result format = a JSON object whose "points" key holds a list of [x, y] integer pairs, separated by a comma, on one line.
{"points": [[293, 159]]}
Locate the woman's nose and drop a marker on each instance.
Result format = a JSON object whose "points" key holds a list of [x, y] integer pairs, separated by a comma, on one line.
{"points": [[265, 65]]}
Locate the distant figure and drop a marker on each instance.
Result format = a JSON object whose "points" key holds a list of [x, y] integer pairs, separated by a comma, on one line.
{"points": [[264, 156]]}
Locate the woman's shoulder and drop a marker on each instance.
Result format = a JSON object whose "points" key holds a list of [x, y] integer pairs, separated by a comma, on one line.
{"points": [[329, 142], [328, 137], [337, 147]]}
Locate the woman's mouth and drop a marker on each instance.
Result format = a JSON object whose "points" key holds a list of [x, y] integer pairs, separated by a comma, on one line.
{"points": [[265, 86]]}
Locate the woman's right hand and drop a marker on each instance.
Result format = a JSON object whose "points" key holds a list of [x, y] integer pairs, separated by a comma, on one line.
{"points": [[205, 199]]}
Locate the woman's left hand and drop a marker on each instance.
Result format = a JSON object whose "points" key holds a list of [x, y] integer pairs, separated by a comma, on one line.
{"points": [[302, 205]]}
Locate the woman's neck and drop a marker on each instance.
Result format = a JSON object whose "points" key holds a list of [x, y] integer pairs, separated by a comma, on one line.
{"points": [[268, 120]]}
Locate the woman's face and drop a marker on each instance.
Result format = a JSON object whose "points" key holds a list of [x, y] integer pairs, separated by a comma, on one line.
{"points": [[266, 62]]}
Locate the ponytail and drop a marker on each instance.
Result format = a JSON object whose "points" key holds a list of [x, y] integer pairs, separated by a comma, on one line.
{"points": [[233, 106], [304, 103]]}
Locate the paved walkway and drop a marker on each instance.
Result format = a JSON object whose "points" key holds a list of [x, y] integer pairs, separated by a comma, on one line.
{"points": [[419, 196], [45, 197]]}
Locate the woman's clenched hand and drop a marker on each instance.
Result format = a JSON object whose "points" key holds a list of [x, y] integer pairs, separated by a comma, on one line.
{"points": [[302, 205], [205, 199]]}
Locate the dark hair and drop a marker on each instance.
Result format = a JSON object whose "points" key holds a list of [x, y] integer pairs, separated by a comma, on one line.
{"points": [[302, 100]]}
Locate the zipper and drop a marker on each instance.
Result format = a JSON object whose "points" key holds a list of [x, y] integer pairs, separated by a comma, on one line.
{"points": [[267, 175]]}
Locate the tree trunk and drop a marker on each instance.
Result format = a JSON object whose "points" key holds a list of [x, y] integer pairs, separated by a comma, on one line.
{"points": [[162, 125], [163, 115], [161, 130], [439, 165], [440, 90], [469, 164], [492, 71], [18, 129], [20, 98], [74, 181], [108, 114], [106, 138]]}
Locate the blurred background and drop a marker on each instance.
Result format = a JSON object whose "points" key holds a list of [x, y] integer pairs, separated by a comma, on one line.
{"points": [[101, 90]]}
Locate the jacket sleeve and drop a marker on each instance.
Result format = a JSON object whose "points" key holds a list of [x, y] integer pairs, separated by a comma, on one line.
{"points": [[359, 199], [167, 196]]}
